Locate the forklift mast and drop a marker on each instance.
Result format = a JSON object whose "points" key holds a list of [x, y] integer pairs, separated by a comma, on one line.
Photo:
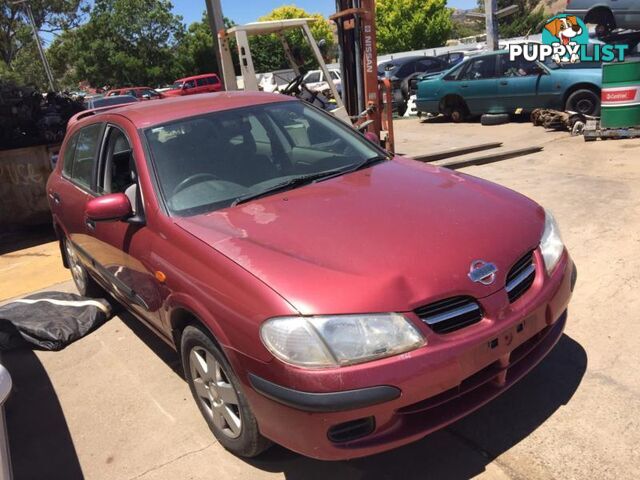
{"points": [[366, 98]]}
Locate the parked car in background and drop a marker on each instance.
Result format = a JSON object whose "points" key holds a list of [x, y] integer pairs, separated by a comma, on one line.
{"points": [[206, 83], [142, 93], [402, 71], [491, 83], [607, 15], [315, 81], [100, 102], [322, 294]]}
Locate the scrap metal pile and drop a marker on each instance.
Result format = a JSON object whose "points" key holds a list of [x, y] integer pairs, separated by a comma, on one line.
{"points": [[557, 120], [29, 118]]}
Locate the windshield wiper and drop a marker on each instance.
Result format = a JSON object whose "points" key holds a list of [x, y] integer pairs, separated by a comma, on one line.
{"points": [[288, 185], [370, 162]]}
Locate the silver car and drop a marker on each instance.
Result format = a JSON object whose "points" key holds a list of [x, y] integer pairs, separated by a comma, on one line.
{"points": [[606, 14]]}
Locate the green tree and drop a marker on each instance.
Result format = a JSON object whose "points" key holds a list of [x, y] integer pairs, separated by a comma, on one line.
{"points": [[527, 20], [267, 51], [19, 58], [196, 51], [412, 24], [124, 42]]}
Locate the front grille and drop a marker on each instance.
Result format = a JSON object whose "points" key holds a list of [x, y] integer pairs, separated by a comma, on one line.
{"points": [[349, 431], [521, 277], [452, 314]]}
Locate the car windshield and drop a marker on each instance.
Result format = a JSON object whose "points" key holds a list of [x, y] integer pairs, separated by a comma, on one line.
{"points": [[217, 160]]}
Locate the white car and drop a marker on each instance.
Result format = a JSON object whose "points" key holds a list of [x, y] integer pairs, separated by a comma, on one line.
{"points": [[314, 80]]}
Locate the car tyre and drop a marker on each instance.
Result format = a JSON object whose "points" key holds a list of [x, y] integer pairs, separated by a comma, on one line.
{"points": [[402, 108], [584, 101], [86, 285], [494, 119], [216, 390]]}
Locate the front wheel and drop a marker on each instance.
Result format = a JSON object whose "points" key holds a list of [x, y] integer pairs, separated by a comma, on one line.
{"points": [[216, 390], [584, 101], [87, 286]]}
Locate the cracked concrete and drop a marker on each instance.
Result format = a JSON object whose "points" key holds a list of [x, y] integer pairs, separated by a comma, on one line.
{"points": [[114, 406]]}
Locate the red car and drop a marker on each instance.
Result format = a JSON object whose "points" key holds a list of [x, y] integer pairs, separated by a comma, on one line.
{"points": [[141, 93], [207, 83], [321, 293]]}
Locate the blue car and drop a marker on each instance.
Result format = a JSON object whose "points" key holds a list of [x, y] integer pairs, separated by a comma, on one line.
{"points": [[491, 83]]}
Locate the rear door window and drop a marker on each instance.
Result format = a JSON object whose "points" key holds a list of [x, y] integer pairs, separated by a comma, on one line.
{"points": [[85, 155], [201, 82], [480, 69], [69, 155]]}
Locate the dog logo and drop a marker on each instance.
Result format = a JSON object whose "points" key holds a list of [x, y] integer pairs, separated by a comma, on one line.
{"points": [[568, 31], [565, 29]]}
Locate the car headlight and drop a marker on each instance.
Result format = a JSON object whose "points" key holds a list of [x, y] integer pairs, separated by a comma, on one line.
{"points": [[551, 244], [338, 340]]}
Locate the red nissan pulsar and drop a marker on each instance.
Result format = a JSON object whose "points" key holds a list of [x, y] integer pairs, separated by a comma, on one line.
{"points": [[321, 293]]}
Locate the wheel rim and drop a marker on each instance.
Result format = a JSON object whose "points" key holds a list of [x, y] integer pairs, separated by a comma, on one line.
{"points": [[584, 105], [78, 272], [215, 393]]}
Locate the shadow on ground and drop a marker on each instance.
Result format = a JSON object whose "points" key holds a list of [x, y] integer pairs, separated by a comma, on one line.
{"points": [[25, 237], [462, 450], [40, 442]]}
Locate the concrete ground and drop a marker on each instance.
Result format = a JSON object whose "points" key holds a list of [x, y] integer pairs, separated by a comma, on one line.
{"points": [[114, 406]]}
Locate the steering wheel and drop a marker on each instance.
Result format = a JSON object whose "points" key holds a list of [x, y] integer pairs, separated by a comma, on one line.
{"points": [[293, 85], [187, 182]]}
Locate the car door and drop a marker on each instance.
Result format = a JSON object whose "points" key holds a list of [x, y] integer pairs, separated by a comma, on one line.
{"points": [[119, 250], [189, 87], [477, 85], [201, 85], [519, 84], [69, 192]]}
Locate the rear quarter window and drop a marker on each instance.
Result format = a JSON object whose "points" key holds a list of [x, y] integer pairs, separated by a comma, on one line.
{"points": [[86, 145]]}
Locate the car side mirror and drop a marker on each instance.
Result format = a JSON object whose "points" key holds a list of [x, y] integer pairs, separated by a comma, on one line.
{"points": [[109, 208]]}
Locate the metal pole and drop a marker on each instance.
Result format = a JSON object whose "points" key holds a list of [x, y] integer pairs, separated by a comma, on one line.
{"points": [[43, 57], [490, 9], [225, 63]]}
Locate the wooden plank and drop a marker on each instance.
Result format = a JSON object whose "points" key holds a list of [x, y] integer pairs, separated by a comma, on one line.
{"points": [[492, 158], [456, 152]]}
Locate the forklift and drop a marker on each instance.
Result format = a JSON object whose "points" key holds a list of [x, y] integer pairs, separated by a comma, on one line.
{"points": [[366, 101]]}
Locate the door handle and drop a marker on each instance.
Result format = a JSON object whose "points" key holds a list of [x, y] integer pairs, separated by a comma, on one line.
{"points": [[504, 82], [91, 225], [464, 86], [56, 198]]}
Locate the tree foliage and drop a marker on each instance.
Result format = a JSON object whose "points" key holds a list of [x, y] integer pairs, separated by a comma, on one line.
{"points": [[125, 42], [527, 20], [412, 24], [268, 53]]}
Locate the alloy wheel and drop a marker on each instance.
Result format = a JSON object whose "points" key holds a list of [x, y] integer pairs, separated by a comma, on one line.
{"points": [[215, 392], [78, 272]]}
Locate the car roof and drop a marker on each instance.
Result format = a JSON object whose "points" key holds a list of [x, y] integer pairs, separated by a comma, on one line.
{"points": [[402, 60], [196, 77], [148, 114]]}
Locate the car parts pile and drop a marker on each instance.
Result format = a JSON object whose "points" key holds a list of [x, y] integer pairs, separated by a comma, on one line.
{"points": [[557, 120], [29, 118]]}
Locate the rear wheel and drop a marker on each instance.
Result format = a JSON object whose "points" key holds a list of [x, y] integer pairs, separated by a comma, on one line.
{"points": [[604, 21], [87, 286], [584, 101], [456, 109], [216, 390]]}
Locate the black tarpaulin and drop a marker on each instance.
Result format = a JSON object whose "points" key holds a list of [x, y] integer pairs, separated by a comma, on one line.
{"points": [[50, 320]]}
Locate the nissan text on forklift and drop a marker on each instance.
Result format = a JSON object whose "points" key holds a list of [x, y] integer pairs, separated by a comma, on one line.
{"points": [[380, 300]]}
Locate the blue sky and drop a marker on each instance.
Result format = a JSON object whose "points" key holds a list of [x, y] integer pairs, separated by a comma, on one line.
{"points": [[244, 11]]}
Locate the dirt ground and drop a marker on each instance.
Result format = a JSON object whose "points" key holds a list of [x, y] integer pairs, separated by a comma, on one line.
{"points": [[114, 405]]}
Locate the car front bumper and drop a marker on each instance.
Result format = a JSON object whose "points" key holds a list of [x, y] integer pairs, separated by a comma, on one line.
{"points": [[374, 407]]}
